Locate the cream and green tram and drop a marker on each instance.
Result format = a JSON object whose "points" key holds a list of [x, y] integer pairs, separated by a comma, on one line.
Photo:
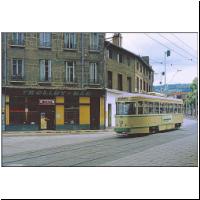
{"points": [[144, 113]]}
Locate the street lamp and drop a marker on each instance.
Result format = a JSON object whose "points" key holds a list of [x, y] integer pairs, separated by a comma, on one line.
{"points": [[167, 54]]}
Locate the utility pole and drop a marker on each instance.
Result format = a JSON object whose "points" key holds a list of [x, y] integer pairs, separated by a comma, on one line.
{"points": [[166, 54]]}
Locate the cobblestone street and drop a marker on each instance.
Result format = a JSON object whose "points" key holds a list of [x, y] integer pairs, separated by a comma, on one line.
{"points": [[172, 148]]}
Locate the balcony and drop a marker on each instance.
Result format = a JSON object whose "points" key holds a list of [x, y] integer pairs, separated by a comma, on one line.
{"points": [[18, 43], [95, 83], [17, 79], [71, 83]]}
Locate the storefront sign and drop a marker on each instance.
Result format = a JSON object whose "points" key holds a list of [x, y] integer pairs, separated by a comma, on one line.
{"points": [[46, 102]]}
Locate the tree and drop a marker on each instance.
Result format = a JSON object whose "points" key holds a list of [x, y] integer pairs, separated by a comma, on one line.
{"points": [[192, 97]]}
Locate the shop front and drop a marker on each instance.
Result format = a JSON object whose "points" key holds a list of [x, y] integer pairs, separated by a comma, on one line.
{"points": [[53, 109]]}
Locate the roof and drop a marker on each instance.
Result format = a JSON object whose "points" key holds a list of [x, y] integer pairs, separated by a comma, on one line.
{"points": [[129, 52], [147, 96]]}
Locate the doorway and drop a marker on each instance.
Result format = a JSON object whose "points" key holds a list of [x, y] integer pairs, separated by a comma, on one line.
{"points": [[47, 117], [109, 115], [94, 113]]}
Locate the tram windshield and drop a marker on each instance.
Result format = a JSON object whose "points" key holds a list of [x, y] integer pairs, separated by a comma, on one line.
{"points": [[126, 108]]}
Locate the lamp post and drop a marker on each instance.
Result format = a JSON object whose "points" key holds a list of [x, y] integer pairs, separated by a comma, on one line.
{"points": [[166, 54]]}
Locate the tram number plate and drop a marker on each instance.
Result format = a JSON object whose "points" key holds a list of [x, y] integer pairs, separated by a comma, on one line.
{"points": [[167, 118]]}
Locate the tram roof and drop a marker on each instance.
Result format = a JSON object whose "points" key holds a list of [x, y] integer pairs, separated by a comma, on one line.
{"points": [[148, 96]]}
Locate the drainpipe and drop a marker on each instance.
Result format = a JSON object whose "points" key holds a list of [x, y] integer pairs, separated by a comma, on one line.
{"points": [[82, 59]]}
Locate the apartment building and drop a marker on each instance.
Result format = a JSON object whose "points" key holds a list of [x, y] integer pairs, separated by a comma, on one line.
{"points": [[53, 81]]}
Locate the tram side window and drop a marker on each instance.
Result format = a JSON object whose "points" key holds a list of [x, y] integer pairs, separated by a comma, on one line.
{"points": [[175, 108], [179, 108], [146, 107], [140, 107], [156, 107], [162, 108], [151, 110], [171, 108], [128, 108], [167, 108]]}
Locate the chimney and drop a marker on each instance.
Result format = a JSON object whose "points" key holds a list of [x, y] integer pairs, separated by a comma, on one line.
{"points": [[146, 59], [117, 39]]}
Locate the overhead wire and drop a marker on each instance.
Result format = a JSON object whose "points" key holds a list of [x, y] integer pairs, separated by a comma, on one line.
{"points": [[177, 46]]}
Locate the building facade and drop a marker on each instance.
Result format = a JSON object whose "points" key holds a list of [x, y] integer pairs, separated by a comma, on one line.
{"points": [[126, 73], [53, 81]]}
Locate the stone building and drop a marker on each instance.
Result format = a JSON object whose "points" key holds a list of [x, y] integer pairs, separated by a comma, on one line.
{"points": [[53, 81], [126, 73]]}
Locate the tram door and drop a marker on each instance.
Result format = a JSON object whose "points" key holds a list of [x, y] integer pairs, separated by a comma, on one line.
{"points": [[109, 115]]}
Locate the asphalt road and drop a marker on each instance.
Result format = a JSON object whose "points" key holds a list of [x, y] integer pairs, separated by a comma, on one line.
{"points": [[172, 148]]}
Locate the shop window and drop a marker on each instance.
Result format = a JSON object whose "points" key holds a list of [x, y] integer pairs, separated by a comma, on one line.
{"points": [[17, 110], [32, 108], [72, 110]]}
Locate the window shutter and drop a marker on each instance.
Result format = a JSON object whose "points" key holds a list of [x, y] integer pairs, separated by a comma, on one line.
{"points": [[91, 71], [42, 70], [49, 70]]}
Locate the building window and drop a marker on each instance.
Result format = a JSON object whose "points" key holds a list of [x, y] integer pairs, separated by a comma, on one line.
{"points": [[137, 66], [119, 58], [45, 70], [137, 84], [110, 79], [128, 61], [93, 73], [120, 82], [129, 84], [94, 41], [140, 84], [45, 40], [70, 71], [70, 40], [144, 85], [17, 38], [147, 87], [110, 53], [17, 69], [140, 68], [71, 110]]}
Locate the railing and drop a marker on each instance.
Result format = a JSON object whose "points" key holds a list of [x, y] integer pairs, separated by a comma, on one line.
{"points": [[18, 42], [17, 78]]}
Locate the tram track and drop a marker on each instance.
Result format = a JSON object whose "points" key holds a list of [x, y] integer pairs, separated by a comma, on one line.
{"points": [[86, 153]]}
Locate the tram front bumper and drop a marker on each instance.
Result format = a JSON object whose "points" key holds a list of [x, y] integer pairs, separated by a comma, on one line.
{"points": [[122, 130]]}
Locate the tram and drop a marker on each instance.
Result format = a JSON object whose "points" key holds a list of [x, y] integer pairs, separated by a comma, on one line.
{"points": [[147, 113]]}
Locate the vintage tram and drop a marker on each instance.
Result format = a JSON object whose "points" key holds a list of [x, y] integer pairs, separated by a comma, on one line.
{"points": [[147, 113]]}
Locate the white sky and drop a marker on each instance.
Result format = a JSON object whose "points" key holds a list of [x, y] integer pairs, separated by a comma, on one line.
{"points": [[183, 48]]}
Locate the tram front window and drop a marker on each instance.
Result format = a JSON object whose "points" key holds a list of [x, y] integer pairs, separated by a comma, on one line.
{"points": [[128, 108]]}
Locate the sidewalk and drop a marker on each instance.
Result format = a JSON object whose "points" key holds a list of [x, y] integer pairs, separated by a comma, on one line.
{"points": [[53, 132], [191, 117]]}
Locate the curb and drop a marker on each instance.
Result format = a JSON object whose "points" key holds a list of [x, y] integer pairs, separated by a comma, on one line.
{"points": [[53, 133]]}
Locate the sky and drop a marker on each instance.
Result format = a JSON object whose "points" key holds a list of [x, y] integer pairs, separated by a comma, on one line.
{"points": [[181, 65]]}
